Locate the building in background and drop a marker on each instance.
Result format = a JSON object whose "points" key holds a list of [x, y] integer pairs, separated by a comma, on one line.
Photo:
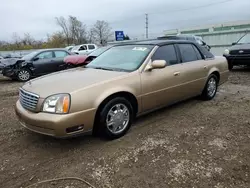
{"points": [[218, 36]]}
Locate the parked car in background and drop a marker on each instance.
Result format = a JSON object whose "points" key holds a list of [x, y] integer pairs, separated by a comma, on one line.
{"points": [[239, 53], [80, 60], [34, 64], [1, 65], [69, 48], [193, 38], [84, 49], [125, 81], [12, 55]]}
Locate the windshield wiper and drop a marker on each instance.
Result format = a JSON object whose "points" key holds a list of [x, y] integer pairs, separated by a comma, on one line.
{"points": [[103, 68]]}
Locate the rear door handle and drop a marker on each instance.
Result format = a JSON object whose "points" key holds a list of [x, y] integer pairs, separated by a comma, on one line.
{"points": [[177, 73], [205, 66]]}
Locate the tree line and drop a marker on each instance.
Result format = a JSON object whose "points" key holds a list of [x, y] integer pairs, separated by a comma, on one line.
{"points": [[72, 32]]}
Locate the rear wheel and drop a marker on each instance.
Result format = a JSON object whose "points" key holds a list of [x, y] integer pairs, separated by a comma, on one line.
{"points": [[210, 89], [115, 118], [24, 75]]}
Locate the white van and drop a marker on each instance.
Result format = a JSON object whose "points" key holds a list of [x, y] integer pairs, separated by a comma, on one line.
{"points": [[84, 49]]}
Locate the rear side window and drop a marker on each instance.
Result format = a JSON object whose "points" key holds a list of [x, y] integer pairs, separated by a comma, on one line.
{"points": [[45, 55], [187, 53], [197, 52], [60, 54], [91, 47], [166, 53]]}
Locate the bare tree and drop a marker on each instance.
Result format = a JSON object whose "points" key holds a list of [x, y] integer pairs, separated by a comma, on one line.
{"points": [[91, 35], [77, 30], [28, 39], [102, 31], [62, 22], [16, 40]]}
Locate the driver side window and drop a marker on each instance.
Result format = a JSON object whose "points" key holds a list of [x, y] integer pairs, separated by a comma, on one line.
{"points": [[166, 53], [45, 55], [83, 47]]}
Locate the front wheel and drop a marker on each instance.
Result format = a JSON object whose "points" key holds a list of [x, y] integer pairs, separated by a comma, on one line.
{"points": [[210, 89], [24, 75], [115, 118], [230, 66]]}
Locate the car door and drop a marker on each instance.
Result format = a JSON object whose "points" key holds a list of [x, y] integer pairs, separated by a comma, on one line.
{"points": [[91, 48], [160, 87], [58, 62], [83, 50], [42, 62], [194, 70]]}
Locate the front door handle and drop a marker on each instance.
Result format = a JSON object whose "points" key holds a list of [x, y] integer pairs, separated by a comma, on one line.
{"points": [[177, 73]]}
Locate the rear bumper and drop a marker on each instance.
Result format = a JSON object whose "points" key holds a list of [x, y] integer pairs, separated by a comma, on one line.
{"points": [[238, 59], [56, 125]]}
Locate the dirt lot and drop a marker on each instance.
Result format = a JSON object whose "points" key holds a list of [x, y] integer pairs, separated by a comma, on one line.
{"points": [[192, 144]]}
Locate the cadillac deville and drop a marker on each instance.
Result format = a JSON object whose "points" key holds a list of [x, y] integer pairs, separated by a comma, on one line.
{"points": [[126, 81]]}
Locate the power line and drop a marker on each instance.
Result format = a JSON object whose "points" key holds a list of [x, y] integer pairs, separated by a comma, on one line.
{"points": [[192, 8], [178, 10]]}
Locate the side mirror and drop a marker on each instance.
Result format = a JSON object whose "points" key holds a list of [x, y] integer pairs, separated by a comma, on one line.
{"points": [[156, 64], [35, 58], [234, 43]]}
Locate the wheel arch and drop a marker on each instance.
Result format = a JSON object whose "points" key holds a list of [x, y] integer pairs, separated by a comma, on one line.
{"points": [[216, 72], [126, 94]]}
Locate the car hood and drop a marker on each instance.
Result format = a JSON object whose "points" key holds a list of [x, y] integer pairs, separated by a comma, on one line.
{"points": [[240, 47], [9, 61], [69, 81], [75, 59]]}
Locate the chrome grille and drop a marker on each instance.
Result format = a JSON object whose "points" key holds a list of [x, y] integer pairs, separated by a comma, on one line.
{"points": [[28, 100]]}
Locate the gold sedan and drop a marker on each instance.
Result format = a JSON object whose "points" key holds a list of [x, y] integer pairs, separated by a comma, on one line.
{"points": [[124, 82]]}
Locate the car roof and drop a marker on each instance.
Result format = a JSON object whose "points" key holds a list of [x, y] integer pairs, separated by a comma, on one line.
{"points": [[41, 50], [156, 42]]}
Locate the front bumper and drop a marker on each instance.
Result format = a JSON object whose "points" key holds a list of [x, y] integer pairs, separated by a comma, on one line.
{"points": [[55, 125], [238, 59], [9, 72]]}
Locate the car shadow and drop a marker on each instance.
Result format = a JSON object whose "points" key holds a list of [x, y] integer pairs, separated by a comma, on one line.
{"points": [[166, 109], [6, 80]]}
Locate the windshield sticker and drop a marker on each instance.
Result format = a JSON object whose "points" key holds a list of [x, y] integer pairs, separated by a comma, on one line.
{"points": [[139, 48]]}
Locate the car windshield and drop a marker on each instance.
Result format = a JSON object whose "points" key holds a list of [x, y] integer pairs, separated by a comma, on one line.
{"points": [[245, 39], [29, 56], [99, 51], [75, 48], [122, 58]]}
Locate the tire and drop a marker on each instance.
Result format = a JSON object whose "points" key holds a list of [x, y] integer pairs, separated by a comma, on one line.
{"points": [[211, 87], [24, 75], [122, 120], [230, 66]]}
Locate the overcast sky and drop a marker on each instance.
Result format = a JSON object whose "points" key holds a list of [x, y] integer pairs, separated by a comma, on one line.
{"points": [[37, 17]]}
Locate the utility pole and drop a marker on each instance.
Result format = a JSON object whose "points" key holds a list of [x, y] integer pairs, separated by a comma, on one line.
{"points": [[146, 25]]}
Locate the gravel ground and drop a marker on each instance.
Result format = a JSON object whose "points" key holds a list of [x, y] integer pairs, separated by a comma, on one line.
{"points": [[191, 144]]}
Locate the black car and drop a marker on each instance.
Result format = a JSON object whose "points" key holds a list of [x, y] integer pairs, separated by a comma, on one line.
{"points": [[34, 64], [239, 53], [192, 38]]}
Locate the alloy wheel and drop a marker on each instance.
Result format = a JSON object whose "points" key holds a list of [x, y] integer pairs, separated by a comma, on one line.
{"points": [[24, 75], [211, 87], [118, 118]]}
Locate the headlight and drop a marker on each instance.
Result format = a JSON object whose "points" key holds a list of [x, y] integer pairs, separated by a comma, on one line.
{"points": [[226, 51], [59, 104], [24, 64]]}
